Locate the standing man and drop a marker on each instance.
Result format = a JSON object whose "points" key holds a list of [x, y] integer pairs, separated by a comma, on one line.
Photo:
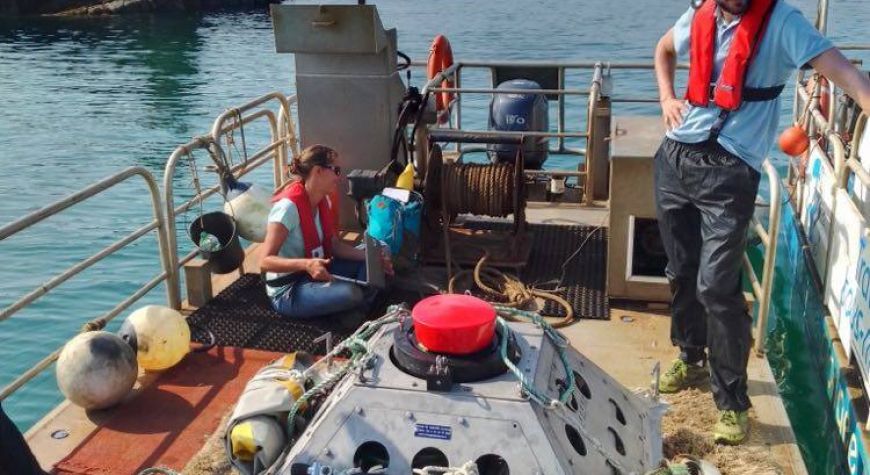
{"points": [[741, 54]]}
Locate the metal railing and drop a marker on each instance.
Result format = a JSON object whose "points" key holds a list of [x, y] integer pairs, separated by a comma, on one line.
{"points": [[817, 126], [159, 224], [598, 90], [853, 163], [454, 74], [763, 288], [282, 136]]}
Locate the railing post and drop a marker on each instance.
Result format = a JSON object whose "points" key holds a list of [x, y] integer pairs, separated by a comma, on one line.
{"points": [[591, 154], [561, 118], [598, 148], [767, 273], [457, 78]]}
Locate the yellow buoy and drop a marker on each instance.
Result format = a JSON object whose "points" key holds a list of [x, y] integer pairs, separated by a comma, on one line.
{"points": [[95, 370], [159, 335]]}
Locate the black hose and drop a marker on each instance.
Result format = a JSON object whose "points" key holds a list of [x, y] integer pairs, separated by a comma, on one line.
{"points": [[212, 340], [417, 121], [411, 104], [406, 59]]}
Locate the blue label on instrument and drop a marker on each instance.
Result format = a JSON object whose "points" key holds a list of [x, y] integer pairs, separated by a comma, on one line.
{"points": [[431, 431]]}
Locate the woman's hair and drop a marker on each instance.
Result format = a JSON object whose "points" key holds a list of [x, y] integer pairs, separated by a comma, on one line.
{"points": [[312, 156]]}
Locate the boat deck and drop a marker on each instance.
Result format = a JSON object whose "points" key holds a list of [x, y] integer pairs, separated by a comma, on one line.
{"points": [[630, 344], [627, 346]]}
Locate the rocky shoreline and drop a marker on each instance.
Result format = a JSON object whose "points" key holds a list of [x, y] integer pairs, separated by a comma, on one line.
{"points": [[12, 8]]}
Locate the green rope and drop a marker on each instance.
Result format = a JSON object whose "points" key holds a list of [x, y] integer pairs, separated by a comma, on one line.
{"points": [[558, 341], [357, 346]]}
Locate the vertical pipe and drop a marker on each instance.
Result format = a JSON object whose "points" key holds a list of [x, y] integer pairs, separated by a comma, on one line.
{"points": [[769, 258], [168, 202], [173, 286], [277, 136], [457, 81], [594, 92], [561, 120], [822, 17]]}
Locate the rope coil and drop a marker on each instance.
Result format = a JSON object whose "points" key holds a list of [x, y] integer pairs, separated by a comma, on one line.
{"points": [[508, 290], [479, 189]]}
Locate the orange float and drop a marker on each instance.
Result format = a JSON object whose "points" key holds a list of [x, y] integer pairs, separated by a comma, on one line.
{"points": [[794, 141], [440, 58]]}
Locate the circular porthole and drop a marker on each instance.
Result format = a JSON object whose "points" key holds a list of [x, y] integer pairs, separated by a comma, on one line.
{"points": [[582, 385], [492, 464], [369, 455], [575, 439], [430, 457]]}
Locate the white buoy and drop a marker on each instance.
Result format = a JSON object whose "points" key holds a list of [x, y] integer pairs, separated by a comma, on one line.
{"points": [[96, 370], [250, 208], [159, 335]]}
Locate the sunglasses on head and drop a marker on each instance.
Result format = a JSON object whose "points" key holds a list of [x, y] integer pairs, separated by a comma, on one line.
{"points": [[335, 168]]}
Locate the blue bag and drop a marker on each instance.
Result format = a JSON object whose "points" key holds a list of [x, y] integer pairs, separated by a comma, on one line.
{"points": [[389, 220]]}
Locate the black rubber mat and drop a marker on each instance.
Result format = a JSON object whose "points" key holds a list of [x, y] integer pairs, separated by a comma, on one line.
{"points": [[578, 251], [241, 315], [585, 274]]}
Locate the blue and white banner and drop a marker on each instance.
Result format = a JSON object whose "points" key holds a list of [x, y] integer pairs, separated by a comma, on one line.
{"points": [[818, 207]]}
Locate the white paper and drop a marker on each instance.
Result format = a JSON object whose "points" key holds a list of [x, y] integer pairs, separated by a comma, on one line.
{"points": [[399, 194]]}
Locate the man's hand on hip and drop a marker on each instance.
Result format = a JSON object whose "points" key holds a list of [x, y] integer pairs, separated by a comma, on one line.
{"points": [[673, 111]]}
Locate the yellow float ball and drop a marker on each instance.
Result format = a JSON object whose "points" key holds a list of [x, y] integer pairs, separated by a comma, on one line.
{"points": [[159, 335], [95, 370]]}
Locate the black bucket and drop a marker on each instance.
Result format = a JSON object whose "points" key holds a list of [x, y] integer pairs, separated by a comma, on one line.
{"points": [[222, 226]]}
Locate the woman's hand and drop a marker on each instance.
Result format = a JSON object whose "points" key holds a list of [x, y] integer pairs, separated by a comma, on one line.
{"points": [[317, 269], [673, 111], [387, 261]]}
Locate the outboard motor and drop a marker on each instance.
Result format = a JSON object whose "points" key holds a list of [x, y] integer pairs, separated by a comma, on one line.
{"points": [[520, 113]]}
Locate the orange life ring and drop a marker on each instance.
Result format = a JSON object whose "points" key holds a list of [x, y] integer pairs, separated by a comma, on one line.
{"points": [[824, 97], [794, 140], [824, 100], [440, 58]]}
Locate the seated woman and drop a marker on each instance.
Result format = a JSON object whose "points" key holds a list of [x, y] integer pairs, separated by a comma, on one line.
{"points": [[302, 251]]}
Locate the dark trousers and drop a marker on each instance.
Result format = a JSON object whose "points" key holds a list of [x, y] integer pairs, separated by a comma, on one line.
{"points": [[15, 456], [705, 197]]}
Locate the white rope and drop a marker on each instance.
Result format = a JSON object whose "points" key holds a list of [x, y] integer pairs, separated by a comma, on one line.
{"points": [[468, 468]]}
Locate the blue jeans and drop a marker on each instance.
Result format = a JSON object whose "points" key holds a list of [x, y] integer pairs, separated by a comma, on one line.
{"points": [[307, 298]]}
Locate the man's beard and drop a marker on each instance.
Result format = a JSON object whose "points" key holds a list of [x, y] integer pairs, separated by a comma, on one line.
{"points": [[725, 7]]}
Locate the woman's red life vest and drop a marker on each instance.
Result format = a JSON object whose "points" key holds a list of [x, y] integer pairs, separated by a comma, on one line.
{"points": [[296, 193], [729, 90]]}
